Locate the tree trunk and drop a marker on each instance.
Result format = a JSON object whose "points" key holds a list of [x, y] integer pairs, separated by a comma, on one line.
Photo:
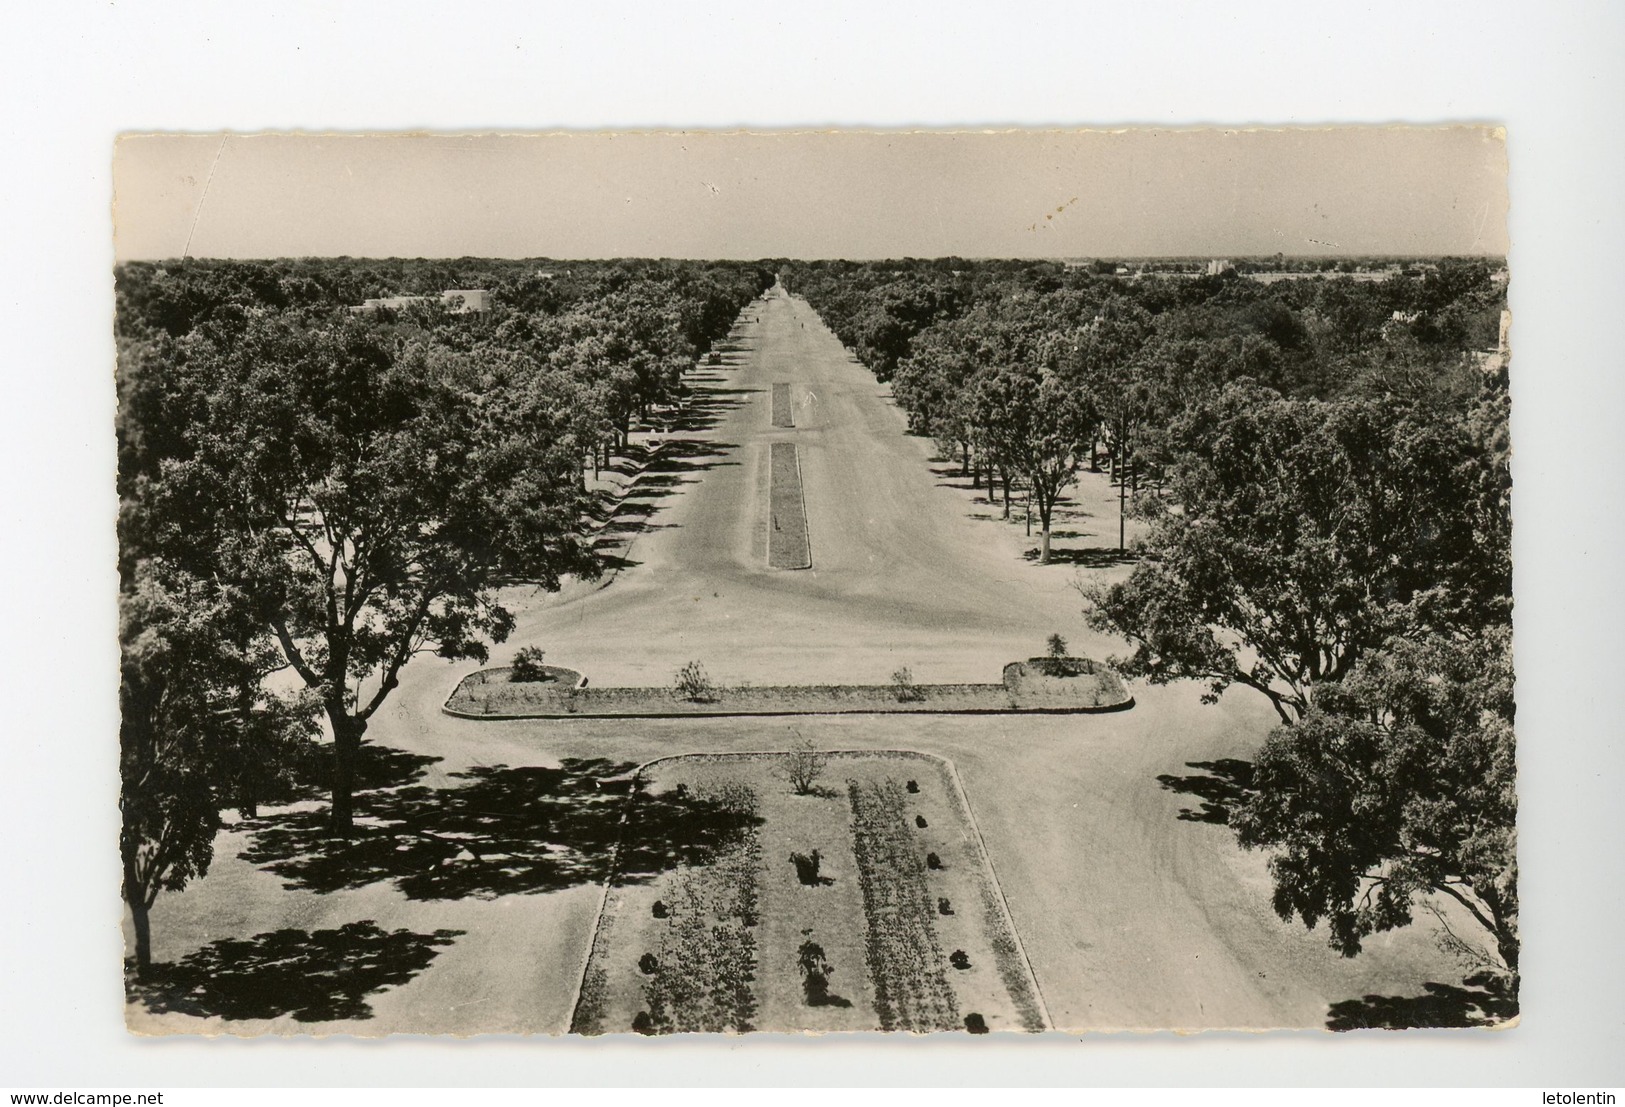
{"points": [[1045, 506], [1094, 456], [143, 939], [1004, 479], [964, 459], [1506, 941], [139, 918], [1122, 516], [347, 732]]}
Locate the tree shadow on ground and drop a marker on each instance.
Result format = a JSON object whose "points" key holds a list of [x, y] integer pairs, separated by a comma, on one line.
{"points": [[1486, 1000], [1223, 785], [504, 831], [611, 562], [705, 406], [377, 767], [1090, 557], [314, 976]]}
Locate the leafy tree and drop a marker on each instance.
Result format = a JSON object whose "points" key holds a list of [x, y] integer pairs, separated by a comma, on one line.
{"points": [[1301, 534], [1397, 785], [367, 495], [1037, 426], [196, 733]]}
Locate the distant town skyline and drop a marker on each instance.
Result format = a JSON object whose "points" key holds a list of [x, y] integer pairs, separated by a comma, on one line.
{"points": [[1344, 191]]}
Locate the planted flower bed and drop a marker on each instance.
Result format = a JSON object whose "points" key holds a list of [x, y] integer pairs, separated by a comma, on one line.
{"points": [[906, 964], [815, 912]]}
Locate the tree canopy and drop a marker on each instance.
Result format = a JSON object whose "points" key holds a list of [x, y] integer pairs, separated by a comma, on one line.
{"points": [[1296, 535], [1399, 783]]}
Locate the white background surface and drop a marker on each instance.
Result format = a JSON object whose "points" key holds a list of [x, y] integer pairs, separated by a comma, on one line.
{"points": [[75, 74]]}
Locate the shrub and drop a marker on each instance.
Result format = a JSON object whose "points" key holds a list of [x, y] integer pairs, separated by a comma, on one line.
{"points": [[959, 959], [904, 688], [527, 666], [803, 766], [932, 861], [807, 868], [661, 911], [913, 787], [943, 906], [815, 973], [647, 964], [693, 685], [919, 821], [1055, 646], [975, 1023], [642, 1023]]}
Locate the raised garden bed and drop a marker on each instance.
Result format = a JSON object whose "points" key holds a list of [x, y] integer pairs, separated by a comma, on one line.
{"points": [[812, 912], [494, 693], [788, 546], [497, 699]]}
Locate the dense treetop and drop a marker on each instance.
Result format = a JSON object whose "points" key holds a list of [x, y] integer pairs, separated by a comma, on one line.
{"points": [[1323, 461]]}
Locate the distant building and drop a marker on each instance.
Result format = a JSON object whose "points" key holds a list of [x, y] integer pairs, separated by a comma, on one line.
{"points": [[458, 301], [464, 301], [1218, 267]]}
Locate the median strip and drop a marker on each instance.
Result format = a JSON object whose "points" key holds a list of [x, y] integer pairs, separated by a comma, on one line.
{"points": [[783, 413], [788, 546]]}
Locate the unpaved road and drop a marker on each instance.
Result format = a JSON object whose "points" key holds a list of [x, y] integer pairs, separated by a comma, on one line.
{"points": [[1132, 917], [900, 575]]}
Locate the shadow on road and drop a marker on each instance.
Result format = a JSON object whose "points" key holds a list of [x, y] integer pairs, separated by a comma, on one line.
{"points": [[1486, 1000], [377, 767], [1090, 557], [313, 976], [502, 831], [1222, 785]]}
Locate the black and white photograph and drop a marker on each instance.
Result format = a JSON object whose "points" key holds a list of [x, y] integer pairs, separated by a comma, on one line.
{"points": [[705, 553], [967, 582]]}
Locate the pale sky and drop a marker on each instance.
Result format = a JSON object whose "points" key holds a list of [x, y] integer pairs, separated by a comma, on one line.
{"points": [[1350, 190]]}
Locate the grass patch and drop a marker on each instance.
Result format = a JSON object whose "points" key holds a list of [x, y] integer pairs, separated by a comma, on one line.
{"points": [[788, 545], [783, 412]]}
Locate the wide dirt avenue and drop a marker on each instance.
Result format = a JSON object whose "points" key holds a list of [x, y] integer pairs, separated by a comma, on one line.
{"points": [[1132, 916]]}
